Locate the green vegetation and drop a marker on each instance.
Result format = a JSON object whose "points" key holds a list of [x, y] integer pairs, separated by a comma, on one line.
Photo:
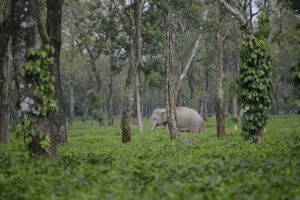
{"points": [[96, 165], [38, 67], [256, 80]]}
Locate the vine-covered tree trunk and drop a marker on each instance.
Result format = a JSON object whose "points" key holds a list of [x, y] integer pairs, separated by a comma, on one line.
{"points": [[23, 38], [5, 25], [220, 115], [169, 86], [111, 91], [53, 26], [135, 52]]}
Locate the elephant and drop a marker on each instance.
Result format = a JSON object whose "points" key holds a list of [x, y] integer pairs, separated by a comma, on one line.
{"points": [[187, 119]]}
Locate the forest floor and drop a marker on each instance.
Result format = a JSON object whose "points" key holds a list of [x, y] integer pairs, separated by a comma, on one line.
{"points": [[96, 165]]}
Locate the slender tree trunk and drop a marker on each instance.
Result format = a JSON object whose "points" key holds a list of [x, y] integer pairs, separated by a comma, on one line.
{"points": [[234, 107], [5, 28], [135, 53], [142, 94], [97, 75], [206, 97], [169, 87], [53, 26], [72, 104], [138, 105], [4, 106], [220, 115], [110, 96]]}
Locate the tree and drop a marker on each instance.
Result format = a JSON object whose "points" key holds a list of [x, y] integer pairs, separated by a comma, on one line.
{"points": [[220, 112], [35, 84], [255, 74], [135, 54], [169, 89], [53, 26], [5, 28]]}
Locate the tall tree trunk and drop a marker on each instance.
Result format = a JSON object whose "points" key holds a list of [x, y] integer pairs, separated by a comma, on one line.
{"points": [[53, 26], [220, 115], [72, 103], [169, 88], [97, 75], [111, 90], [234, 107], [138, 105], [5, 28], [4, 106], [23, 38], [135, 53], [206, 97]]}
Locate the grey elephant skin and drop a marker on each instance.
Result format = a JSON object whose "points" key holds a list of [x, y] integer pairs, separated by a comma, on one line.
{"points": [[187, 119]]}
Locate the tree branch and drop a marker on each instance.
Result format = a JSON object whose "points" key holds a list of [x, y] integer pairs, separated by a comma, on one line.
{"points": [[41, 28], [242, 19], [187, 66]]}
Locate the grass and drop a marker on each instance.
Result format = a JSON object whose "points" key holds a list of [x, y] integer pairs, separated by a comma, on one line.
{"points": [[96, 165]]}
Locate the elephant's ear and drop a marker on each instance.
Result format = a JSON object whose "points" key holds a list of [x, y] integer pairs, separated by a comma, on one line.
{"points": [[164, 117]]}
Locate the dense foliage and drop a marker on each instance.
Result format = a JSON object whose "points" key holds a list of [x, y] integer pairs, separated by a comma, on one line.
{"points": [[256, 80], [95, 165]]}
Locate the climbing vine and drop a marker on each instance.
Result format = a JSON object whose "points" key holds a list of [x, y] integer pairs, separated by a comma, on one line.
{"points": [[255, 80], [37, 68]]}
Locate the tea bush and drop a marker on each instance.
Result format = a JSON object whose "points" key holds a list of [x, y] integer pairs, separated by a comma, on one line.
{"points": [[96, 165]]}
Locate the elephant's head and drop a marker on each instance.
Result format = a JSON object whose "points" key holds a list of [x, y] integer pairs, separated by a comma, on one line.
{"points": [[158, 118]]}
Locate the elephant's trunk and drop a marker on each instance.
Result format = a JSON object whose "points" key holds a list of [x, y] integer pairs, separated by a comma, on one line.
{"points": [[151, 129], [152, 126]]}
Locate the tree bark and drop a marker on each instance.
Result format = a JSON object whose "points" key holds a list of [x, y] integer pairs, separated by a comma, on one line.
{"points": [[72, 103], [206, 97], [23, 38], [53, 26], [4, 106], [111, 90], [234, 107], [220, 115], [138, 105], [5, 31], [135, 52], [169, 90]]}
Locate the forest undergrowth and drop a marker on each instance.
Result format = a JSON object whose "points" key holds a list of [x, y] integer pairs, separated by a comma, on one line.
{"points": [[96, 165]]}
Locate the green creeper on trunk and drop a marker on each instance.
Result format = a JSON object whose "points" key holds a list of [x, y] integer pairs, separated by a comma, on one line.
{"points": [[255, 80]]}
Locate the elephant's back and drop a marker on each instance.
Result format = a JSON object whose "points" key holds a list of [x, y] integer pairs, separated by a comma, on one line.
{"points": [[190, 118], [188, 111]]}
